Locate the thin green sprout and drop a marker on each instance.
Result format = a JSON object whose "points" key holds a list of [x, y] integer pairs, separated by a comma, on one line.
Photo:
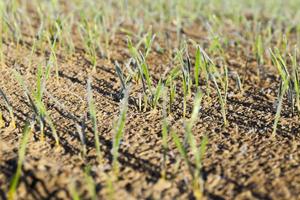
{"points": [[92, 112], [119, 131], [21, 156]]}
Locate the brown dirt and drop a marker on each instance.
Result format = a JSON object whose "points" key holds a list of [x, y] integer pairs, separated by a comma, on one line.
{"points": [[241, 162]]}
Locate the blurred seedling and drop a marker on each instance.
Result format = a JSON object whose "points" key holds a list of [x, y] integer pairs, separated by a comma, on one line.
{"points": [[93, 116], [295, 80], [53, 47], [213, 74], [119, 132], [170, 82], [12, 123], [259, 54], [164, 131], [121, 76], [284, 84], [81, 132], [89, 36], [149, 38], [198, 64], [186, 80], [194, 167], [90, 183], [35, 99], [73, 191], [27, 130], [152, 93]]}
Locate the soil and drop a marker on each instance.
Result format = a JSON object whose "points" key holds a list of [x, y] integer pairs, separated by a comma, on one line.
{"points": [[242, 160]]}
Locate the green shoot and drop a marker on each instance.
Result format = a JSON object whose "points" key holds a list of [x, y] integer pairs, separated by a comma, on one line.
{"points": [[157, 93], [2, 123], [198, 153], [197, 66], [295, 77], [53, 58], [239, 82], [259, 53], [175, 72], [2, 60], [120, 75], [89, 37], [185, 91], [149, 38], [172, 95], [151, 94], [73, 192], [284, 85], [21, 156], [119, 131], [81, 132], [11, 112], [92, 112], [36, 100], [90, 183], [211, 70], [164, 132], [145, 73]]}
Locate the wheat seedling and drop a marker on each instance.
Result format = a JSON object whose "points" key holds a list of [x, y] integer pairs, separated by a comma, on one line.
{"points": [[92, 112], [73, 192], [284, 85], [211, 70], [295, 78], [198, 152], [21, 156], [10, 110], [81, 132], [259, 53], [36, 100], [91, 186], [119, 131], [164, 132], [197, 66]]}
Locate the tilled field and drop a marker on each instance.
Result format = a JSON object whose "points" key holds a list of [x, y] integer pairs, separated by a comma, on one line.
{"points": [[243, 159]]}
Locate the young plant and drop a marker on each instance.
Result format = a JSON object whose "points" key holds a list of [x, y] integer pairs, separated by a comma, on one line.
{"points": [[239, 82], [185, 91], [53, 58], [295, 80], [259, 53], [186, 80], [2, 60], [35, 99], [149, 38], [142, 66], [119, 131], [121, 76], [2, 123], [197, 66], [73, 192], [151, 93], [157, 94], [11, 112], [284, 85], [21, 156], [92, 112], [212, 71], [164, 132], [170, 82], [81, 132], [198, 152], [89, 35], [91, 186]]}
